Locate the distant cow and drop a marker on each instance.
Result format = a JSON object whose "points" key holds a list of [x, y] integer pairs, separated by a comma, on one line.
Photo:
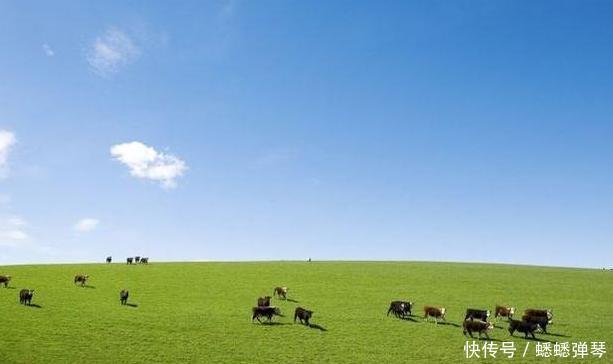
{"points": [[280, 292], [476, 314], [303, 315], [144, 260], [400, 308], [504, 311], [123, 296], [435, 312], [136, 259], [81, 278], [478, 326], [129, 260], [523, 326], [264, 301], [109, 259], [540, 313], [25, 296], [540, 320], [267, 312], [5, 279]]}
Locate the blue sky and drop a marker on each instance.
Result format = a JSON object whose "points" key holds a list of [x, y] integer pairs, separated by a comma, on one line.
{"points": [[248, 130]]}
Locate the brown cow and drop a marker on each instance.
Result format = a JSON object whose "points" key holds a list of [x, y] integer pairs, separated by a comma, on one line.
{"points": [[5, 279], [540, 313], [303, 315], [280, 292], [264, 301], [523, 326], [435, 312], [504, 311], [267, 312], [81, 278], [479, 326]]}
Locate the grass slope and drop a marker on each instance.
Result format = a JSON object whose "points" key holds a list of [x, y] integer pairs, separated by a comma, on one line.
{"points": [[200, 312]]}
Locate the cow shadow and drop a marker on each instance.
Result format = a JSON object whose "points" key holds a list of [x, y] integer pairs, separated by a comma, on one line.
{"points": [[446, 323], [291, 300], [133, 305], [556, 335], [10, 287], [317, 327], [408, 318], [34, 305], [88, 286], [273, 323], [485, 339], [539, 340]]}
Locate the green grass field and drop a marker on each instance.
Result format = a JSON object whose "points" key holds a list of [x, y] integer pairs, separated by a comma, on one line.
{"points": [[201, 312]]}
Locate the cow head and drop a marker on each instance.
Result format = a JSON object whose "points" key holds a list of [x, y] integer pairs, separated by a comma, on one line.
{"points": [[490, 326], [487, 314], [549, 316], [512, 310], [443, 310]]}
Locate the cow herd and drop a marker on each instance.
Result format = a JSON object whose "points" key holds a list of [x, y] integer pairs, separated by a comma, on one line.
{"points": [[477, 320], [265, 310]]}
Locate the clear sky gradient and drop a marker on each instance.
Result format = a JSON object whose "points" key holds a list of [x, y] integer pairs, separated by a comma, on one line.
{"points": [[427, 130]]}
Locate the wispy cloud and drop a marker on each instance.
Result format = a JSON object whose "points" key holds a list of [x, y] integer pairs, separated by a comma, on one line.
{"points": [[275, 157], [13, 231], [86, 224], [7, 141], [146, 162], [112, 51], [48, 50]]}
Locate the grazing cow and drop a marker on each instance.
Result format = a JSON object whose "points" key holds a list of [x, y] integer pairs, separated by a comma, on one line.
{"points": [[129, 260], [479, 326], [81, 278], [400, 308], [303, 315], [25, 296], [109, 259], [540, 313], [540, 320], [144, 260], [504, 311], [264, 301], [5, 279], [267, 312], [137, 259], [123, 296], [523, 326], [280, 292], [435, 312], [472, 313]]}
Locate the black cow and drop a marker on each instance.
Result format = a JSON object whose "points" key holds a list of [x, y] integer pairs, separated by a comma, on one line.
{"points": [[109, 259], [267, 312], [472, 325], [540, 320], [137, 259], [523, 326], [400, 308], [264, 301], [144, 260], [81, 278], [129, 260], [476, 314], [5, 279], [123, 296], [540, 313], [303, 315], [25, 296]]}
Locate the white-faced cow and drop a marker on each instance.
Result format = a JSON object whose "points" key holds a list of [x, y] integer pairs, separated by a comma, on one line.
{"points": [[280, 292], [129, 260], [476, 314], [504, 311], [137, 259], [303, 315], [540, 313], [482, 327], [25, 296], [109, 259], [81, 278], [400, 308], [5, 279], [523, 326], [123, 296], [435, 312], [144, 260], [267, 312]]}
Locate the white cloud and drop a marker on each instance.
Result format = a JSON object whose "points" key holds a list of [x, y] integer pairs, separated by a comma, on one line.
{"points": [[48, 50], [146, 162], [86, 225], [12, 231], [112, 51], [7, 140]]}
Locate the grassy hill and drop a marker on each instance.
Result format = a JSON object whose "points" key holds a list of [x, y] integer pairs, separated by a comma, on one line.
{"points": [[200, 312]]}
